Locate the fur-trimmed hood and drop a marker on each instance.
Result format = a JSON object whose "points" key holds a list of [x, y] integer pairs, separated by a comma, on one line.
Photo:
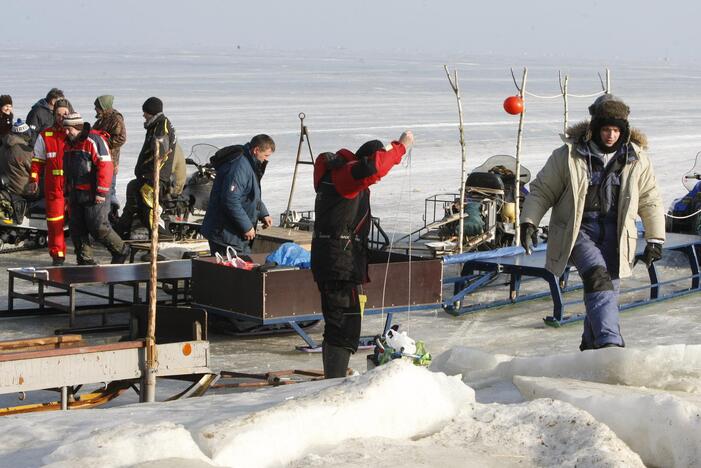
{"points": [[581, 131]]}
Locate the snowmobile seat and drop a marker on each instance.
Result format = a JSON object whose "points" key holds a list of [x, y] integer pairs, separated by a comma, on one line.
{"points": [[484, 182]]}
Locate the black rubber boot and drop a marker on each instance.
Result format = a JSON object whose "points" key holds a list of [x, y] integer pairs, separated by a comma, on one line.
{"points": [[336, 360], [83, 250]]}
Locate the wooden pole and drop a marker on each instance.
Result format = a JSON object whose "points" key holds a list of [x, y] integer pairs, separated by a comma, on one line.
{"points": [[517, 188], [149, 393], [564, 97], [456, 89]]}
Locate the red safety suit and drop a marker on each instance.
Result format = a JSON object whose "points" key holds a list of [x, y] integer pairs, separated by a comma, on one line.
{"points": [[48, 159]]}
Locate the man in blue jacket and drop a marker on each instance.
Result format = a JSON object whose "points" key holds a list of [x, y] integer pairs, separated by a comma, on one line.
{"points": [[235, 203]]}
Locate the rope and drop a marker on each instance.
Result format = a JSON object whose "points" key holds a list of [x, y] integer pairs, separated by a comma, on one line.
{"points": [[554, 96], [407, 166], [683, 217]]}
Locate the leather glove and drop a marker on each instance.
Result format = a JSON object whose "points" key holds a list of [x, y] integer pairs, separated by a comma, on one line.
{"points": [[529, 237], [652, 253]]}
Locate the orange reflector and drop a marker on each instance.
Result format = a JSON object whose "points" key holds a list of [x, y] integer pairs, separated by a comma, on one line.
{"points": [[187, 349]]}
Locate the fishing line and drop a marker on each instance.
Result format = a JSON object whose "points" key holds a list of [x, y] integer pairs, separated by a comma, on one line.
{"points": [[407, 166]]}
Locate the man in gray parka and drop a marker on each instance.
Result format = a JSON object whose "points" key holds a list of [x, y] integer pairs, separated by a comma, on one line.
{"points": [[597, 184]]}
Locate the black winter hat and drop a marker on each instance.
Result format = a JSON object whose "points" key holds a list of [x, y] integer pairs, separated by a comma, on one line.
{"points": [[152, 106], [609, 110], [368, 149], [5, 99]]}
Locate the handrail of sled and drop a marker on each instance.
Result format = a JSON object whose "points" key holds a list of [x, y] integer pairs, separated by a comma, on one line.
{"points": [[18, 356], [500, 252]]}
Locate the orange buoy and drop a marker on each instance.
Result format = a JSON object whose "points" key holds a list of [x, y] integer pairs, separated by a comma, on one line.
{"points": [[513, 105]]}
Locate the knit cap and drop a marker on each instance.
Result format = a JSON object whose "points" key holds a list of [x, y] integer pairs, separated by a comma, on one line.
{"points": [[74, 120], [152, 106], [20, 126]]}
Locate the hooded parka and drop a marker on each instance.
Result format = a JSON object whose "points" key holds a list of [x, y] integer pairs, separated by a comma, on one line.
{"points": [[562, 186]]}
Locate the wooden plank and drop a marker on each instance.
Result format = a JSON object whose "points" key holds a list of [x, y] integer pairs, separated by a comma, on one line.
{"points": [[42, 341], [68, 351]]}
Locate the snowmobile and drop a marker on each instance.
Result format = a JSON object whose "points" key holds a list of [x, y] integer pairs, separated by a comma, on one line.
{"points": [[185, 214], [22, 222], [489, 219], [684, 215], [182, 215]]}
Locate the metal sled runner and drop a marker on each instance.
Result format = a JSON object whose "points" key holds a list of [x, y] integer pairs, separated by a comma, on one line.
{"points": [[519, 265]]}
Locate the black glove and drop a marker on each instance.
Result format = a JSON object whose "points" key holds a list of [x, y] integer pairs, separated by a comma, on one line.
{"points": [[529, 237], [653, 252]]}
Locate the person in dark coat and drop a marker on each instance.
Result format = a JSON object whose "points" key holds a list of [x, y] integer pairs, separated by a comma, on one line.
{"points": [[340, 243], [5, 115], [235, 203], [159, 131], [16, 159], [41, 115]]}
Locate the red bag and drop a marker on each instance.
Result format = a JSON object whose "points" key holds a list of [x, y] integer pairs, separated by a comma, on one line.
{"points": [[233, 260]]}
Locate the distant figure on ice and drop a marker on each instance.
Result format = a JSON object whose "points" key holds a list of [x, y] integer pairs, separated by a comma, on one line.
{"points": [[47, 165], [235, 203], [88, 172], [110, 120], [41, 115], [6, 116], [597, 184], [159, 131], [340, 242]]}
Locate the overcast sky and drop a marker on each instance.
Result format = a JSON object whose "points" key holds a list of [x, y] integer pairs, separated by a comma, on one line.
{"points": [[601, 30]]}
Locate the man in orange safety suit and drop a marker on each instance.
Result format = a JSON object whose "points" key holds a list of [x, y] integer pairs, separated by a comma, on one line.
{"points": [[48, 162]]}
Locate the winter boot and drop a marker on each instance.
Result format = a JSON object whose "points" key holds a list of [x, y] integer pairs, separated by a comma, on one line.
{"points": [[121, 256], [336, 360], [83, 250], [58, 261]]}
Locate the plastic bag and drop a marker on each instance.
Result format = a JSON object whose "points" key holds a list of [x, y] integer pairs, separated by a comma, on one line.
{"points": [[291, 255], [233, 260]]}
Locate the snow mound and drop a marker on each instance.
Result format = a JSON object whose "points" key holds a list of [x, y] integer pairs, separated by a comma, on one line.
{"points": [[127, 445], [672, 367], [397, 400], [537, 433], [664, 429]]}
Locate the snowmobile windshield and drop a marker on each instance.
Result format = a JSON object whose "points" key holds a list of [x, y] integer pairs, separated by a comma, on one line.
{"points": [[501, 163]]}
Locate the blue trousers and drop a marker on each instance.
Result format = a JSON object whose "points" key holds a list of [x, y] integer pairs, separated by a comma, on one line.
{"points": [[595, 255]]}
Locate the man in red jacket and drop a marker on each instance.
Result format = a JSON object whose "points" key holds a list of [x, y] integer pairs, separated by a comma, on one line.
{"points": [[47, 163], [340, 242], [88, 169]]}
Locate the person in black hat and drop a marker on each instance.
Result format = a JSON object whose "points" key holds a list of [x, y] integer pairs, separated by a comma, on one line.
{"points": [[597, 184], [159, 132]]}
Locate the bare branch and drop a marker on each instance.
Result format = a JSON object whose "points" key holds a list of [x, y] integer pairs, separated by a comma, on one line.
{"points": [[453, 83], [514, 78]]}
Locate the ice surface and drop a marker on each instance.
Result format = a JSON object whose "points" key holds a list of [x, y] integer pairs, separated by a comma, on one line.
{"points": [[663, 428], [671, 367], [225, 98]]}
